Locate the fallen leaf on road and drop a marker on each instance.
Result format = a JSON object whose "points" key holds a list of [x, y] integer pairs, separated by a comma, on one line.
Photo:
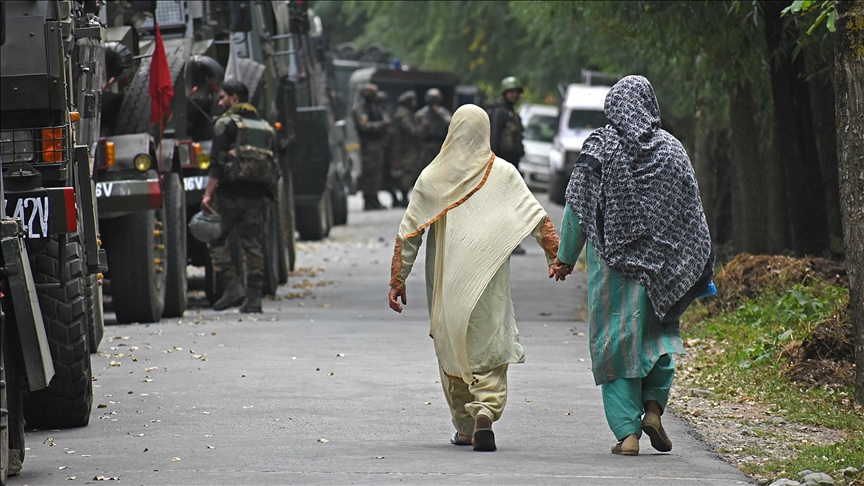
{"points": [[293, 358], [206, 413], [125, 338], [527, 399], [213, 333], [428, 403], [340, 355], [85, 455], [581, 359], [175, 459], [325, 306], [101, 405], [70, 478], [210, 447], [152, 368], [323, 440], [115, 363], [248, 406], [69, 452], [545, 314], [146, 450], [178, 348], [103, 478], [379, 457], [331, 373], [62, 467]]}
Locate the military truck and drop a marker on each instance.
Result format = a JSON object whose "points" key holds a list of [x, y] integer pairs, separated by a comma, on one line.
{"points": [[140, 178], [51, 62]]}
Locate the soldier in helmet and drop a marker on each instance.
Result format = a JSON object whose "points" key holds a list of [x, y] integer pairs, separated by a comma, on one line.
{"points": [[242, 179], [435, 120], [506, 137], [506, 128], [407, 133], [372, 128], [388, 182]]}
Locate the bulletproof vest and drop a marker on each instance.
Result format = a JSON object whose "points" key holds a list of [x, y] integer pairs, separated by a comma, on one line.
{"points": [[511, 134], [251, 158]]}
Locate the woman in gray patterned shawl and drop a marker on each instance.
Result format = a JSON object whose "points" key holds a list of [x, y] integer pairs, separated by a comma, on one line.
{"points": [[633, 198]]}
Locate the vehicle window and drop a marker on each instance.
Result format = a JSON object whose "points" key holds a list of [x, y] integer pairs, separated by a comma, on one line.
{"points": [[586, 119], [541, 128]]}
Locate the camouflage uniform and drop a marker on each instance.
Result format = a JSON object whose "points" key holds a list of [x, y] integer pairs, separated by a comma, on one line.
{"points": [[407, 136], [372, 129], [506, 136], [245, 184], [436, 132]]}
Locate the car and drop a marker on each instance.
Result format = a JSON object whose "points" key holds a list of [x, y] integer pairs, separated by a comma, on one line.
{"points": [[581, 114], [541, 125]]}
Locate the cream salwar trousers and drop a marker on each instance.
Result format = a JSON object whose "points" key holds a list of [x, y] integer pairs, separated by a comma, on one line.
{"points": [[486, 395]]}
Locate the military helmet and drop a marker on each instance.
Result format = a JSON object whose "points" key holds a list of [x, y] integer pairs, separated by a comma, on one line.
{"points": [[206, 227], [510, 82], [368, 91], [382, 97], [433, 96], [406, 97]]}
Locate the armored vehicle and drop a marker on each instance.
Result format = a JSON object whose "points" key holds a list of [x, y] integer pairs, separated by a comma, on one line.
{"points": [[140, 178], [51, 68]]}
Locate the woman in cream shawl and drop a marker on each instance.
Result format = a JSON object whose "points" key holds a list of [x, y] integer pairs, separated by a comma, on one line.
{"points": [[476, 208]]}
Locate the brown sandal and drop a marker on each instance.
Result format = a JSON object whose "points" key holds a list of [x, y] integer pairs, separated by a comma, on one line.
{"points": [[628, 446]]}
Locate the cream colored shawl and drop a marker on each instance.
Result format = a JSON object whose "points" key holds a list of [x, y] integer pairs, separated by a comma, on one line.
{"points": [[483, 210]]}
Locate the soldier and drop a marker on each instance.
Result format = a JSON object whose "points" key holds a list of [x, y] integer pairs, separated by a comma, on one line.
{"points": [[388, 180], [506, 138], [372, 128], [435, 120], [506, 134], [242, 178], [407, 136]]}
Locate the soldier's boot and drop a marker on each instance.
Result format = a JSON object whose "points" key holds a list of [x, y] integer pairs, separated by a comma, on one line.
{"points": [[252, 302], [233, 295]]}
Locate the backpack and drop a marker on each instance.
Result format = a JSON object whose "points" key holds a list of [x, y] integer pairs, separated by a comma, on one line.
{"points": [[251, 159]]}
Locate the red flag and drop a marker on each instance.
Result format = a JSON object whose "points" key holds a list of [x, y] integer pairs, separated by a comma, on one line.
{"points": [[161, 88]]}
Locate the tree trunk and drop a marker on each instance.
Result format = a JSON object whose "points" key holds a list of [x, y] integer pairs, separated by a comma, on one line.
{"points": [[821, 86], [794, 140], [752, 177], [849, 92]]}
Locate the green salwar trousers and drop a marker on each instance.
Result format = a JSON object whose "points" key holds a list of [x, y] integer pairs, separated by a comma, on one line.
{"points": [[624, 399]]}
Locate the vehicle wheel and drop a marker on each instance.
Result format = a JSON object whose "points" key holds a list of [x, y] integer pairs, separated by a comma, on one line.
{"points": [[176, 288], [285, 214], [12, 416], [136, 261], [69, 397], [339, 201], [313, 221], [251, 74], [290, 220], [270, 248], [134, 115], [93, 311], [557, 187]]}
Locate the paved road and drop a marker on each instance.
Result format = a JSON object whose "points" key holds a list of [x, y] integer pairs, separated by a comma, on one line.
{"points": [[328, 386]]}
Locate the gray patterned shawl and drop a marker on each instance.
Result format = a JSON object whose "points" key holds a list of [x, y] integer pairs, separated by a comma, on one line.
{"points": [[637, 198]]}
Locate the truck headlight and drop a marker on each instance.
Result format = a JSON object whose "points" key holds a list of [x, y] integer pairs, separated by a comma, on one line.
{"points": [[202, 161], [142, 162], [17, 145]]}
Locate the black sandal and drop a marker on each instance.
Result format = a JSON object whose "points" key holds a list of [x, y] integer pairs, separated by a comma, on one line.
{"points": [[455, 440], [484, 440]]}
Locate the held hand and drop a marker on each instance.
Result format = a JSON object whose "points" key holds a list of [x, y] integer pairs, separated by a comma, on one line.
{"points": [[559, 269], [205, 204], [394, 304]]}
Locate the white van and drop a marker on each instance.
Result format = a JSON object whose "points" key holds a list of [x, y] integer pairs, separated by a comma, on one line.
{"points": [[581, 114], [541, 124]]}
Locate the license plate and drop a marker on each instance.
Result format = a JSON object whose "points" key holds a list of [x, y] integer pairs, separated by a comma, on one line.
{"points": [[195, 183], [33, 212]]}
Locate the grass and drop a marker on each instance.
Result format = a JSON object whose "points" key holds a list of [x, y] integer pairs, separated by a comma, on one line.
{"points": [[737, 356]]}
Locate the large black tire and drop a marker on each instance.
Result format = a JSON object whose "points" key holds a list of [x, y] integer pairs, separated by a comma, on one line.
{"points": [[93, 310], [176, 287], [134, 116], [69, 397], [270, 246], [285, 216], [314, 221], [136, 261], [339, 196], [4, 406], [251, 74]]}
